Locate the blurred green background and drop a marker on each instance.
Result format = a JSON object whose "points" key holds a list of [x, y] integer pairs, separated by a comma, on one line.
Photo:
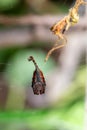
{"points": [[20, 109]]}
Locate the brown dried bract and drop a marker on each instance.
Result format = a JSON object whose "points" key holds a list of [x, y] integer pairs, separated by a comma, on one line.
{"points": [[38, 80]]}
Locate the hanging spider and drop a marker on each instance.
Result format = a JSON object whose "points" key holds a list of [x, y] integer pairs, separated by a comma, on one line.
{"points": [[38, 80], [63, 25]]}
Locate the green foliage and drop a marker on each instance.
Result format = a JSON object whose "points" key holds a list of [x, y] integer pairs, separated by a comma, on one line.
{"points": [[20, 7], [69, 117], [5, 54], [7, 4], [45, 119]]}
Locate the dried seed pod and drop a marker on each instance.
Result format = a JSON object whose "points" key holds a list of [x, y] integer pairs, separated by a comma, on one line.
{"points": [[38, 80]]}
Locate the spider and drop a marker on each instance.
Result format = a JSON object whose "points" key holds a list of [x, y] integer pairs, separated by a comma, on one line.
{"points": [[63, 25]]}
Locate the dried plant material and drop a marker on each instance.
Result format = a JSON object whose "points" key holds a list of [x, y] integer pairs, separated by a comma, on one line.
{"points": [[63, 25], [38, 80]]}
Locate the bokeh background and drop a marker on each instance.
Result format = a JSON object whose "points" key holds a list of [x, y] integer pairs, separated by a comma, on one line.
{"points": [[25, 31]]}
